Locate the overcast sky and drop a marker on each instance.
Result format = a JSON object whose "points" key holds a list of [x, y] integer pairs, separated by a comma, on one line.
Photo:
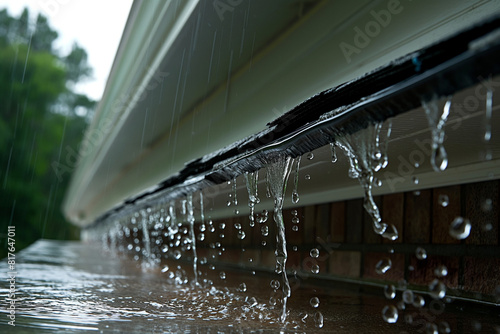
{"points": [[96, 25]]}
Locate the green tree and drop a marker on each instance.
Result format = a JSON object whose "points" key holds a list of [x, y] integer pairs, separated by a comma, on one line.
{"points": [[37, 121]]}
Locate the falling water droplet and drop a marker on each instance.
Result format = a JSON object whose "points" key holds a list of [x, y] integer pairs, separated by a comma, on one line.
{"points": [[415, 180], [307, 177], [201, 237], [390, 291], [265, 230], [165, 269], [487, 205], [437, 289], [314, 253], [444, 327], [408, 297], [418, 301], [295, 228], [443, 200], [441, 271], [390, 314], [437, 120], [177, 254], [295, 197], [315, 269], [275, 284], [295, 220], [243, 287], [314, 302], [310, 156], [318, 319], [488, 114], [421, 253], [222, 275], [460, 228], [241, 235], [222, 226], [383, 266], [431, 328]]}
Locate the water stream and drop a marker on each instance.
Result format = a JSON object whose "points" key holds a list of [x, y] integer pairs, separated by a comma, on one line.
{"points": [[278, 171]]}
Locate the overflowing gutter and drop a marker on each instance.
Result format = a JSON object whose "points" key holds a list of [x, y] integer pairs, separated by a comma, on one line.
{"points": [[437, 71]]}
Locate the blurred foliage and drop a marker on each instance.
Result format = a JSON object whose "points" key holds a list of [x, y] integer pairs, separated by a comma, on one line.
{"points": [[38, 122]]}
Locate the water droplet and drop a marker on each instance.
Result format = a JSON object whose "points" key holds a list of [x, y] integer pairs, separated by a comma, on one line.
{"points": [[295, 197], [165, 269], [314, 302], [228, 203], [416, 164], [295, 220], [307, 177], [401, 305], [294, 248], [315, 269], [130, 247], [437, 289], [310, 156], [408, 297], [390, 314], [265, 230], [390, 291], [241, 235], [383, 266], [421, 253], [418, 301], [237, 226], [252, 302], [487, 205], [415, 180], [443, 200], [431, 328], [439, 158], [202, 227], [294, 212], [177, 254], [416, 193], [441, 271], [236, 211], [243, 287], [391, 232], [487, 227], [295, 228], [318, 319], [460, 228], [444, 327], [314, 253], [222, 275], [201, 237]]}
